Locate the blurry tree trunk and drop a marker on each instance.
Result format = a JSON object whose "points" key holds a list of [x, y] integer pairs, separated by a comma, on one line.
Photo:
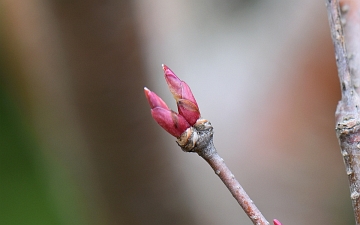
{"points": [[347, 49], [86, 55], [108, 77]]}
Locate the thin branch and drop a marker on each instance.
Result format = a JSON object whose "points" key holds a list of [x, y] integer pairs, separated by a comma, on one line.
{"points": [[199, 139], [224, 173], [347, 112], [195, 134]]}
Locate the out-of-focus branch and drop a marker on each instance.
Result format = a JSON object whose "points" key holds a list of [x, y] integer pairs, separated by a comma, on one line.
{"points": [[340, 49], [347, 112], [350, 18]]}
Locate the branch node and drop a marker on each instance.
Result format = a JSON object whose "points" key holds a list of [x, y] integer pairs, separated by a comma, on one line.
{"points": [[354, 195], [344, 8], [198, 138]]}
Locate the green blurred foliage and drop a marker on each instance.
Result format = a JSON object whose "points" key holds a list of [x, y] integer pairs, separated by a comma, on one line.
{"points": [[24, 196]]}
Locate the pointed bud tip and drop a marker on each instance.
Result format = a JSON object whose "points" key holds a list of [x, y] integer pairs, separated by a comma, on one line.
{"points": [[169, 72], [147, 92], [164, 66], [154, 100], [277, 222]]}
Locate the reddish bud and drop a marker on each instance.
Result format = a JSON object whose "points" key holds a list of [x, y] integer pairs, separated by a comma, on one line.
{"points": [[185, 100], [174, 123], [188, 110], [154, 100], [277, 222]]}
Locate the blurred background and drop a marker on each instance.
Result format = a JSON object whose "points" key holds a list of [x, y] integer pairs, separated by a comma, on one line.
{"points": [[77, 141]]}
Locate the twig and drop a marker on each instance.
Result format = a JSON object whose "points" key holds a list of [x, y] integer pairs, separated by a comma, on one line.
{"points": [[199, 139], [347, 112], [220, 168], [224, 173], [195, 134]]}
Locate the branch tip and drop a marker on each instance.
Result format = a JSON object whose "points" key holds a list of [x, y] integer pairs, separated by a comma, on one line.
{"points": [[195, 134]]}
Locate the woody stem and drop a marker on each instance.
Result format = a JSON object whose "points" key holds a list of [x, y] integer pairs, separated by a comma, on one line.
{"points": [[224, 173], [199, 139]]}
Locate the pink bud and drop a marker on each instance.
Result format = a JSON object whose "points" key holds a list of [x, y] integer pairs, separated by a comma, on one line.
{"points": [[173, 82], [277, 222], [188, 110], [174, 123], [154, 100], [185, 100]]}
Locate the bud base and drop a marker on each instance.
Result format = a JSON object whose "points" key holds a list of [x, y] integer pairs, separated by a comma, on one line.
{"points": [[198, 138]]}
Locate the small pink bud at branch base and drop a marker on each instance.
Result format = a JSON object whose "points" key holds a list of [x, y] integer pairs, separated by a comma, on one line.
{"points": [[187, 105], [277, 222], [174, 123]]}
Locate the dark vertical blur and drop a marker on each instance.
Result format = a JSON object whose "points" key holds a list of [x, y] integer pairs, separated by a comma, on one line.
{"points": [[77, 72], [108, 76]]}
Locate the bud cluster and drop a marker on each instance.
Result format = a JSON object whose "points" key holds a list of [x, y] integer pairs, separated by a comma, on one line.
{"points": [[185, 124], [195, 134], [188, 111]]}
